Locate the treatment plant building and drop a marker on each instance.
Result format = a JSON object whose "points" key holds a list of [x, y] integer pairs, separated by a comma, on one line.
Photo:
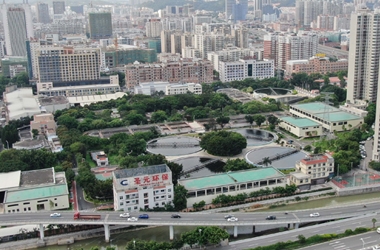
{"points": [[231, 183]]}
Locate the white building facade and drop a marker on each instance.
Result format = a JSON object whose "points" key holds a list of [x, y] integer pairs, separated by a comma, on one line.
{"points": [[142, 187], [242, 69]]}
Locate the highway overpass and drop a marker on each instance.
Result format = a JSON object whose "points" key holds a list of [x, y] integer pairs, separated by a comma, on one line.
{"points": [[292, 219]]}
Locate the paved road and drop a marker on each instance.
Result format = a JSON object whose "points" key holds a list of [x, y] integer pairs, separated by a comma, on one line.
{"points": [[204, 218], [368, 148], [82, 203], [332, 227], [329, 51], [370, 239]]}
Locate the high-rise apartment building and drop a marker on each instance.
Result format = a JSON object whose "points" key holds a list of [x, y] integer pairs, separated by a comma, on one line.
{"points": [[307, 11], [43, 13], [58, 7], [100, 25], [68, 64], [236, 10], [363, 67], [284, 47], [153, 27], [18, 28], [229, 8], [166, 46]]}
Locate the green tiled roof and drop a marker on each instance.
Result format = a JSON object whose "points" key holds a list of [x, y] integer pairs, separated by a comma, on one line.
{"points": [[338, 116], [230, 178], [315, 107], [36, 193], [300, 122]]}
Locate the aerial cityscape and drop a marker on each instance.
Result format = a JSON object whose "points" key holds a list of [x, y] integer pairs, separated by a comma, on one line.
{"points": [[178, 124]]}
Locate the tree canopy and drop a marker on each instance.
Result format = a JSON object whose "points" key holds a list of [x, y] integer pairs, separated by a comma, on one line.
{"points": [[223, 143]]}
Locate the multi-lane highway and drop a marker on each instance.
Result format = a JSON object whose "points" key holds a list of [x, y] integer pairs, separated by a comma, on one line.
{"points": [[325, 228], [204, 218]]}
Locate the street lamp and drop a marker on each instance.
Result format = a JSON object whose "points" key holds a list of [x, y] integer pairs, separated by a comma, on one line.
{"points": [[200, 234], [134, 244], [354, 178], [362, 241], [7, 144]]}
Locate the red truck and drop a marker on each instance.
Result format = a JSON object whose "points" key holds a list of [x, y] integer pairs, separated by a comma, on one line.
{"points": [[78, 216]]}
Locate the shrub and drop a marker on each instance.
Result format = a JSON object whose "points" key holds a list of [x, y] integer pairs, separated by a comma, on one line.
{"points": [[301, 239], [348, 232], [359, 230]]}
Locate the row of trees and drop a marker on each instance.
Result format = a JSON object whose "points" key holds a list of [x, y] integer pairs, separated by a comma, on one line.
{"points": [[201, 236], [224, 200]]}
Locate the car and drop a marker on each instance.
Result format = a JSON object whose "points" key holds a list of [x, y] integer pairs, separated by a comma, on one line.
{"points": [[228, 216], [232, 219], [143, 216], [54, 215], [270, 217], [290, 141], [378, 230], [376, 247], [176, 216], [314, 215], [124, 215], [132, 219]]}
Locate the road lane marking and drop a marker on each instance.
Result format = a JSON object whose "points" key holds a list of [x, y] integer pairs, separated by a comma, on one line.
{"points": [[366, 238]]}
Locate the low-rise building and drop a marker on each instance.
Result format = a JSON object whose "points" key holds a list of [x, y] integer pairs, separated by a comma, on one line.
{"points": [[53, 103], [151, 88], [44, 123], [242, 69], [318, 168], [321, 65], [20, 103], [100, 158], [142, 188], [33, 191], [331, 118], [231, 183], [300, 127], [79, 88]]}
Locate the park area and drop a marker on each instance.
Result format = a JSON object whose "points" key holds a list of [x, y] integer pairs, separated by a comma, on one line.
{"points": [[356, 180]]}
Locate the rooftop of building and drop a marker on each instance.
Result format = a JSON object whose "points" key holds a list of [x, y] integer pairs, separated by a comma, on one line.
{"points": [[300, 175], [29, 144], [300, 122], [37, 177], [21, 103], [338, 116], [36, 193], [149, 170], [315, 159], [81, 87], [231, 178], [10, 179], [315, 107], [51, 100], [88, 99]]}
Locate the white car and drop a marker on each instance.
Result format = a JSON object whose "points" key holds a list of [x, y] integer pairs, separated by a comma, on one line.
{"points": [[124, 215], [232, 219], [55, 215], [132, 219], [314, 215], [378, 230]]}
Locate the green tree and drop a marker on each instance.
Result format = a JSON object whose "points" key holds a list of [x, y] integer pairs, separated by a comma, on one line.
{"points": [[272, 120], [259, 119], [266, 161], [159, 116], [67, 121], [9, 135], [35, 132], [176, 171], [223, 143], [249, 119], [180, 200], [78, 147], [237, 165], [222, 120], [374, 222]]}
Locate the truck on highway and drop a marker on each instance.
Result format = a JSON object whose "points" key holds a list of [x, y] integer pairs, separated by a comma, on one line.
{"points": [[78, 216]]}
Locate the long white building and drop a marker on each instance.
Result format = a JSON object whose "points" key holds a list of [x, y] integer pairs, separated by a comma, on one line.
{"points": [[242, 69], [142, 187]]}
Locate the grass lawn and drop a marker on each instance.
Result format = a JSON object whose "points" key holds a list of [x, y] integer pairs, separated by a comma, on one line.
{"points": [[90, 161]]}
